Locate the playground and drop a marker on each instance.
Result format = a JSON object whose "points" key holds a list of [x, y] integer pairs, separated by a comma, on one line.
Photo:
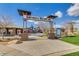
{"points": [[43, 40]]}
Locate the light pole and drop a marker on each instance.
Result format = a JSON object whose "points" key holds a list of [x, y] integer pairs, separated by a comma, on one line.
{"points": [[50, 19], [25, 15]]}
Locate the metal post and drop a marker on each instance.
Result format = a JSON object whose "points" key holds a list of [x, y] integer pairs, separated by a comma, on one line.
{"points": [[23, 25], [26, 27]]}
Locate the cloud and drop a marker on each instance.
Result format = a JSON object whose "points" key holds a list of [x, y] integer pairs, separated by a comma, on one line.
{"points": [[73, 10], [31, 21], [36, 23], [59, 14], [76, 21], [57, 26]]}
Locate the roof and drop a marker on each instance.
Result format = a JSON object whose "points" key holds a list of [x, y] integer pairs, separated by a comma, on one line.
{"points": [[21, 12], [10, 26]]}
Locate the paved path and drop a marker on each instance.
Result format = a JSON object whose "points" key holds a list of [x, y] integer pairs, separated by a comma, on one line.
{"points": [[38, 47], [37, 34], [45, 47], [8, 51]]}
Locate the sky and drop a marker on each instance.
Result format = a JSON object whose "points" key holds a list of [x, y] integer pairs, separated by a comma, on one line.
{"points": [[39, 9]]}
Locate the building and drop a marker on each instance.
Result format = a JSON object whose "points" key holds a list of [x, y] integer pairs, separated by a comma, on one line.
{"points": [[14, 30], [11, 30]]}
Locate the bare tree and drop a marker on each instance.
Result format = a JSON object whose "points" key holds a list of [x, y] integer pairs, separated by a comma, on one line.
{"points": [[5, 22], [71, 25]]}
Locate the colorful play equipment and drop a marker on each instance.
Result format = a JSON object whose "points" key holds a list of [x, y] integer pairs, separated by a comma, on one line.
{"points": [[51, 34], [67, 30], [27, 16]]}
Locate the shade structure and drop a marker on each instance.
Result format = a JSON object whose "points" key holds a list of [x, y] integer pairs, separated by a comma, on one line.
{"points": [[51, 34], [23, 12], [52, 16], [25, 15]]}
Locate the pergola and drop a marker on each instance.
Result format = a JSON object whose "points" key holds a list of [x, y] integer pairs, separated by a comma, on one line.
{"points": [[27, 16]]}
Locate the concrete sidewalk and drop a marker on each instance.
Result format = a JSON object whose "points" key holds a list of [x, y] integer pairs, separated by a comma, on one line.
{"points": [[8, 51], [45, 47]]}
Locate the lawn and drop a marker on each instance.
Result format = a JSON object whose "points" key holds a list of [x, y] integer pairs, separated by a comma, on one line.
{"points": [[73, 39], [72, 54]]}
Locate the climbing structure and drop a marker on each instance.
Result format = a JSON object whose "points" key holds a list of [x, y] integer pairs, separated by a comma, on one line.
{"points": [[27, 16]]}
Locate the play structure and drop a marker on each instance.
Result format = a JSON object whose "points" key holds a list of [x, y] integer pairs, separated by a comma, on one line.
{"points": [[27, 16], [52, 33], [12, 33], [67, 29]]}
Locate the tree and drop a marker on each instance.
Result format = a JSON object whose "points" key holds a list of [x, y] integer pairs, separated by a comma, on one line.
{"points": [[5, 21], [71, 25]]}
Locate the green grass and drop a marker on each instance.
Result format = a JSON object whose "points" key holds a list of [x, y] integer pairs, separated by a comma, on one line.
{"points": [[72, 54], [73, 40]]}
